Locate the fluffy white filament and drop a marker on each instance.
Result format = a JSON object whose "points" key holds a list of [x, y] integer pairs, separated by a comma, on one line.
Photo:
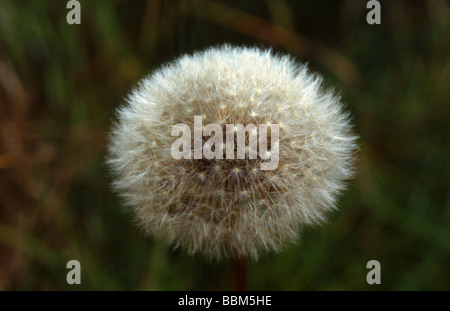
{"points": [[222, 207]]}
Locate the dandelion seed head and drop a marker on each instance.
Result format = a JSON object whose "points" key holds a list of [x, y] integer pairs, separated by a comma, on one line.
{"points": [[230, 208]]}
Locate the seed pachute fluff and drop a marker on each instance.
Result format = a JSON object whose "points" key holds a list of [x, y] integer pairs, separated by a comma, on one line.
{"points": [[222, 207]]}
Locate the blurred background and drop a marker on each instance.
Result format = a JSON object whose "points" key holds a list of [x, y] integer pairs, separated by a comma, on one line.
{"points": [[60, 85]]}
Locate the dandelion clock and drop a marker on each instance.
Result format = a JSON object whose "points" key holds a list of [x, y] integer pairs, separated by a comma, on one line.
{"points": [[230, 152]]}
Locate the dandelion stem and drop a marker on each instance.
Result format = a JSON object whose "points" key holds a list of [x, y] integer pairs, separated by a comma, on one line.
{"points": [[238, 275]]}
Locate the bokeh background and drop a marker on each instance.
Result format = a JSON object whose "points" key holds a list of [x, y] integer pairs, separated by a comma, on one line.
{"points": [[60, 85]]}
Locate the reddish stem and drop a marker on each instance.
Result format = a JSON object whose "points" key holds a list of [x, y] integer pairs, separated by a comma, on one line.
{"points": [[238, 275]]}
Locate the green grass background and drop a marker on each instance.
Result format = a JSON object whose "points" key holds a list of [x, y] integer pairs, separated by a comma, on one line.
{"points": [[60, 85]]}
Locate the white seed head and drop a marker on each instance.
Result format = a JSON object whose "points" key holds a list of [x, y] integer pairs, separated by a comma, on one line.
{"points": [[222, 207]]}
